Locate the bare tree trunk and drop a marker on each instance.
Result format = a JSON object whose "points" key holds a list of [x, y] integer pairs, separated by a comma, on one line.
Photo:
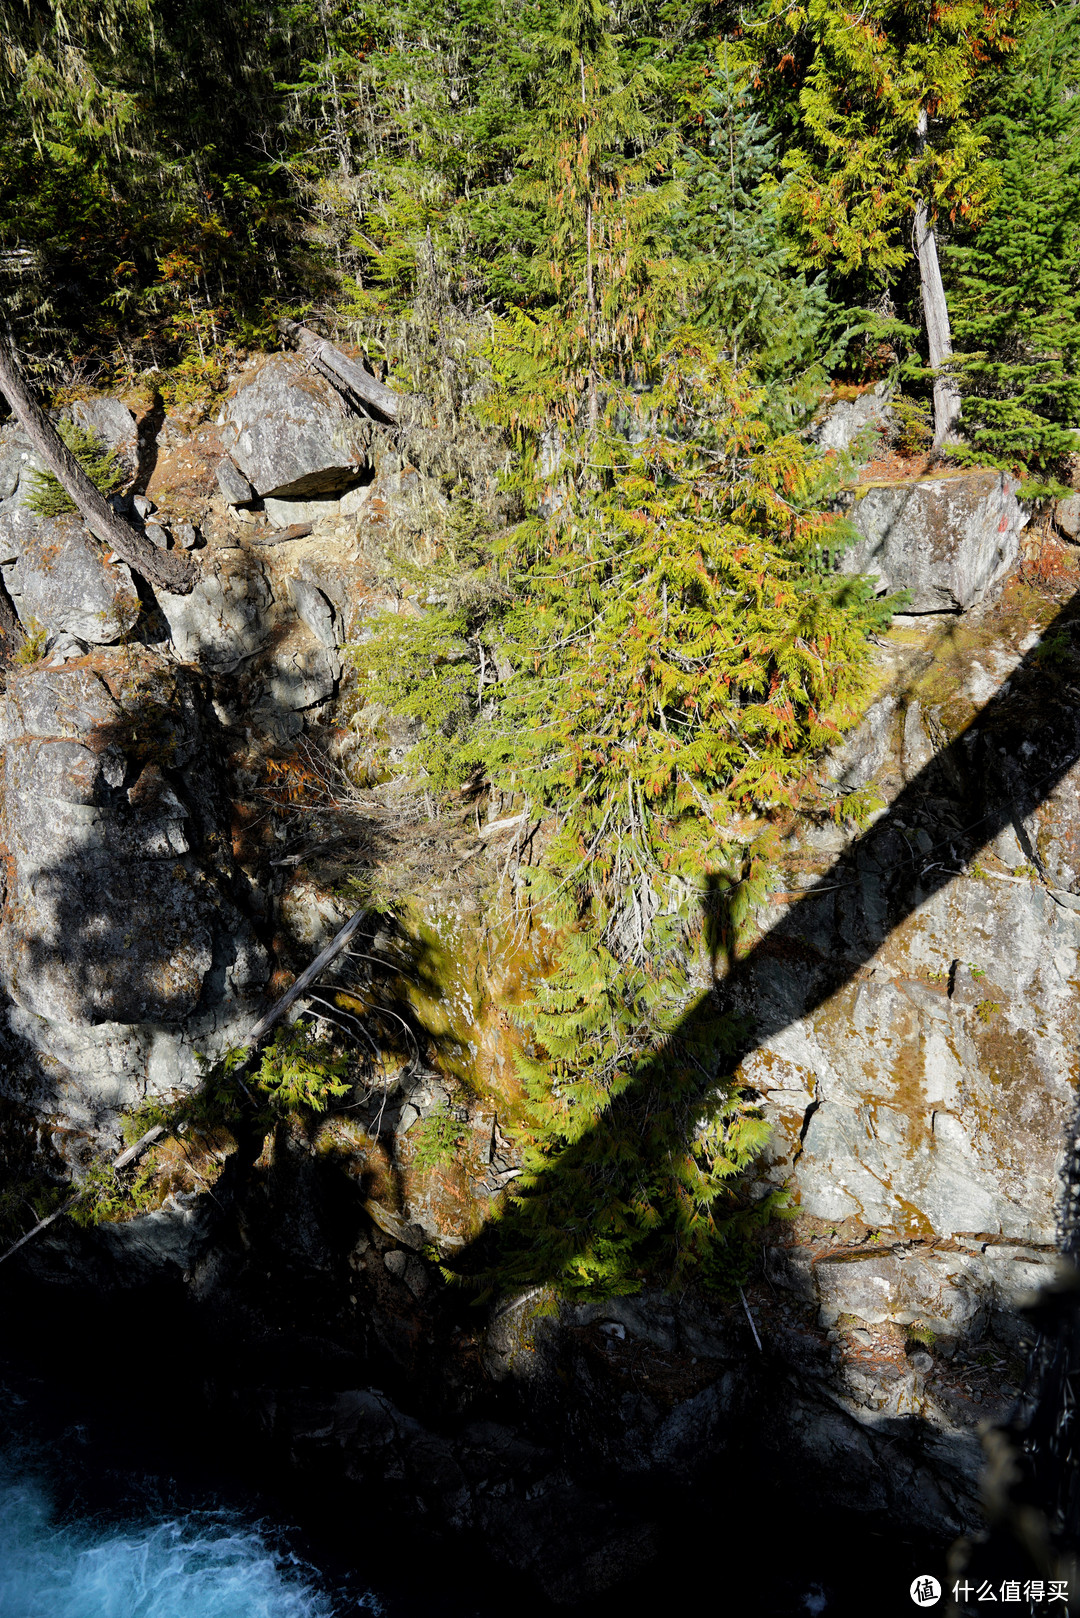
{"points": [[935, 314], [938, 334], [169, 570]]}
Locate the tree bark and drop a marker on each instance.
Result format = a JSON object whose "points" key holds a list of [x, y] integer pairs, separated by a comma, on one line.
{"points": [[169, 570], [938, 333], [343, 370], [935, 312]]}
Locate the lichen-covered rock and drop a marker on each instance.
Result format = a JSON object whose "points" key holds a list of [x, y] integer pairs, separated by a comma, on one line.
{"points": [[327, 511], [68, 584], [947, 540], [290, 432], [862, 754], [313, 609], [1067, 516], [115, 427], [232, 482], [955, 1292], [18, 464], [302, 672], [227, 616], [843, 420], [915, 1099]]}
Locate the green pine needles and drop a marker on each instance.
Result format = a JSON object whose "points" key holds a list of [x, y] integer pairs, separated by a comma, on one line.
{"points": [[435, 1140], [49, 499], [1017, 305], [299, 1070], [662, 662], [650, 664]]}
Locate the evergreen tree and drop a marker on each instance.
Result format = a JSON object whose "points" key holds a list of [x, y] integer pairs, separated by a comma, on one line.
{"points": [[1017, 297], [886, 139], [727, 228], [596, 182], [142, 197]]}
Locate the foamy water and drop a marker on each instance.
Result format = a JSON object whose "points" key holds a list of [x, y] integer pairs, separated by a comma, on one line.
{"points": [[199, 1565]]}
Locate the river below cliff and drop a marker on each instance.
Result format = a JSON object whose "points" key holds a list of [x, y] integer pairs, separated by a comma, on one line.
{"points": [[87, 1532]]}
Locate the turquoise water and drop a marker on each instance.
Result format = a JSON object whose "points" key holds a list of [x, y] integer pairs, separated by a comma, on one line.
{"points": [[82, 1538], [194, 1568], [200, 1566]]}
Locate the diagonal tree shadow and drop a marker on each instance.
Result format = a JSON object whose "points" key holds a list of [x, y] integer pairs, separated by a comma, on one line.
{"points": [[577, 1215]]}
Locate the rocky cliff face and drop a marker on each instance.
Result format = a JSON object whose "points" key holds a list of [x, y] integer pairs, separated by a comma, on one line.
{"points": [[913, 988]]}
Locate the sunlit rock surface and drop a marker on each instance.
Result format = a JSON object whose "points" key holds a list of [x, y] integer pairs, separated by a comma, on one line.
{"points": [[289, 431], [947, 540], [69, 584]]}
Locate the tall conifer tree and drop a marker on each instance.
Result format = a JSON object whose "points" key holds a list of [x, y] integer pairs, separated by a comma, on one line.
{"points": [[1017, 297], [886, 143]]}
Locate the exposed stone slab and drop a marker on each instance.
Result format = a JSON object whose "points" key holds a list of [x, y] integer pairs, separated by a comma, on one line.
{"points": [[114, 425], [232, 482], [225, 619], [68, 584], [948, 540], [290, 432], [843, 420], [111, 918], [18, 464], [1067, 516]]}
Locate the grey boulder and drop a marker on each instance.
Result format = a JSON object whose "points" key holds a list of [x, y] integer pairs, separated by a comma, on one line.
{"points": [[290, 432], [947, 540], [225, 619], [1067, 516], [314, 610], [233, 484], [105, 921], [69, 586], [115, 426], [302, 674], [845, 419], [18, 464]]}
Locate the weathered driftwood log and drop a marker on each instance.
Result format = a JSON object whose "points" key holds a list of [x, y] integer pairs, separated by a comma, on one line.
{"points": [[169, 570], [339, 368], [306, 978]]}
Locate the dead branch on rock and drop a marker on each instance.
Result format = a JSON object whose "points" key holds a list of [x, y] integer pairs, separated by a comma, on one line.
{"points": [[306, 978], [345, 372], [278, 536], [121, 1162], [169, 570]]}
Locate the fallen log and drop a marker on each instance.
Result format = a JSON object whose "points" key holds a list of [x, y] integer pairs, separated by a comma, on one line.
{"points": [[121, 1162], [169, 570], [344, 371], [306, 978]]}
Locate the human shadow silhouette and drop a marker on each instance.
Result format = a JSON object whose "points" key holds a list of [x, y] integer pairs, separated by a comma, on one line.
{"points": [[1007, 761]]}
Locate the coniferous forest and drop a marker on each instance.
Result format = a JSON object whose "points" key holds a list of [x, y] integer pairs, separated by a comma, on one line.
{"points": [[617, 257]]}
